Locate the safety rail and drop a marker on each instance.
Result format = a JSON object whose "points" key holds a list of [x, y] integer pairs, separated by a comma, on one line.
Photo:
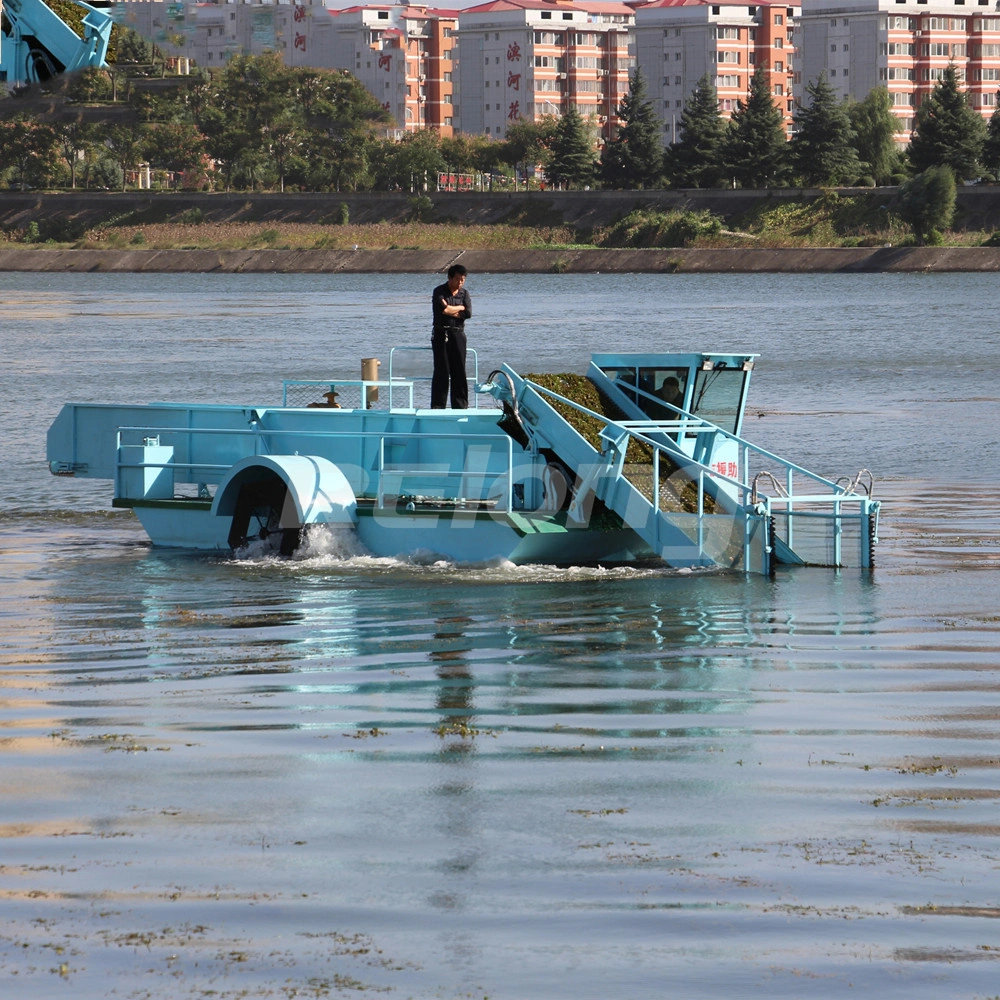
{"points": [[394, 379], [750, 499], [360, 387], [152, 437]]}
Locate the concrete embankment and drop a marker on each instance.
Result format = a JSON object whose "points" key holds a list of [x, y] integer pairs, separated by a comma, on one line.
{"points": [[856, 259]]}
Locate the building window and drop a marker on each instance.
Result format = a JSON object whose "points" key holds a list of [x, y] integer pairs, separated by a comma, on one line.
{"points": [[383, 15], [779, 90], [778, 43], [546, 15], [778, 19], [779, 67]]}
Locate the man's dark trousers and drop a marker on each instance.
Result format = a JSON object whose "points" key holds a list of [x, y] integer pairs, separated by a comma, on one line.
{"points": [[449, 365]]}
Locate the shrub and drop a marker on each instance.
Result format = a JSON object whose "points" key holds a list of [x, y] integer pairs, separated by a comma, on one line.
{"points": [[927, 204], [653, 228], [343, 213], [421, 208], [192, 216], [31, 233], [138, 238]]}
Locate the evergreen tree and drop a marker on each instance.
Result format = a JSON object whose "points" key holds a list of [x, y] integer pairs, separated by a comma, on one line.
{"points": [[634, 158], [874, 134], [696, 160], [991, 148], [948, 131], [927, 203], [756, 148], [572, 160], [821, 149]]}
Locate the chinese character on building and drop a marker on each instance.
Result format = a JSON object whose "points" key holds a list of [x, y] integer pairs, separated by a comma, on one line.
{"points": [[513, 52]]}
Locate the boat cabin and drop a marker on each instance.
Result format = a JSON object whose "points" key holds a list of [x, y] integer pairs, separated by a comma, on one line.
{"points": [[710, 386]]}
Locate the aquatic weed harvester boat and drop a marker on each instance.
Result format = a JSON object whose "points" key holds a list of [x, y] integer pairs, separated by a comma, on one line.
{"points": [[640, 460]]}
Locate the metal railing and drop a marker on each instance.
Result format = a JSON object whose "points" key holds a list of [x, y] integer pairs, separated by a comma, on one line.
{"points": [[152, 436], [750, 499]]}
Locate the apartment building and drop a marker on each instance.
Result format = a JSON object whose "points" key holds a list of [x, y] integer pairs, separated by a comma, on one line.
{"points": [[529, 58], [404, 55], [407, 57], [680, 41], [903, 45], [210, 34]]}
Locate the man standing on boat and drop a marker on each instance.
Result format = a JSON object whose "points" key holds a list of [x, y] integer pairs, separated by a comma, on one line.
{"points": [[452, 306]]}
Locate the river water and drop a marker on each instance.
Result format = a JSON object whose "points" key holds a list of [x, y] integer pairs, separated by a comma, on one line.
{"points": [[347, 776]]}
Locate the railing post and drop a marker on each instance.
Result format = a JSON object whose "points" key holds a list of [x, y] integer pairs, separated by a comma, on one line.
{"points": [[656, 481], [701, 515], [838, 531]]}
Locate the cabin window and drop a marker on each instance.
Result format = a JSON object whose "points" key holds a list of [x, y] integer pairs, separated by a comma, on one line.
{"points": [[667, 384], [718, 395]]}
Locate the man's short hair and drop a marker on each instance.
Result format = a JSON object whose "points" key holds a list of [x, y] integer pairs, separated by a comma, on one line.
{"points": [[457, 269]]}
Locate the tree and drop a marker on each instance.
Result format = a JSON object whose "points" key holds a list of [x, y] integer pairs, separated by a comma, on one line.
{"points": [[29, 149], [874, 134], [529, 144], [127, 145], [696, 159], [572, 161], [410, 163], [821, 149], [927, 203], [947, 132], [991, 148], [175, 147], [756, 148], [634, 157], [76, 139]]}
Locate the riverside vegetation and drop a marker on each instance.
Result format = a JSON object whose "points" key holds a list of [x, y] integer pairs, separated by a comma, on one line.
{"points": [[256, 125], [835, 219]]}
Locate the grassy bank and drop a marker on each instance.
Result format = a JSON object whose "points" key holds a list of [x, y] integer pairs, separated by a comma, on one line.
{"points": [[667, 220]]}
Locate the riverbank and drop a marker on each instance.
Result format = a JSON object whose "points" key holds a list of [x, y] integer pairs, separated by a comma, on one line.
{"points": [[649, 261]]}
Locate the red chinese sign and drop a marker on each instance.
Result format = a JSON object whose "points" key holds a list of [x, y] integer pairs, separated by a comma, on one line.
{"points": [[730, 469], [514, 80], [300, 13], [514, 112], [513, 52], [385, 62], [300, 41]]}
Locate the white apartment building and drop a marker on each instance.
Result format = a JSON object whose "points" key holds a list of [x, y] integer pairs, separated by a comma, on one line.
{"points": [[903, 45], [210, 34], [680, 41], [528, 58], [407, 57]]}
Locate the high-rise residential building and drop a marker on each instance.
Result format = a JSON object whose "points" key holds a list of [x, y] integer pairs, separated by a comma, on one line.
{"points": [[408, 58], [680, 41], [302, 33], [903, 45], [529, 58]]}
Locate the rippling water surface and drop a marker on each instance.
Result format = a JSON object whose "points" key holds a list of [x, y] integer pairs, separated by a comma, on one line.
{"points": [[341, 776]]}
